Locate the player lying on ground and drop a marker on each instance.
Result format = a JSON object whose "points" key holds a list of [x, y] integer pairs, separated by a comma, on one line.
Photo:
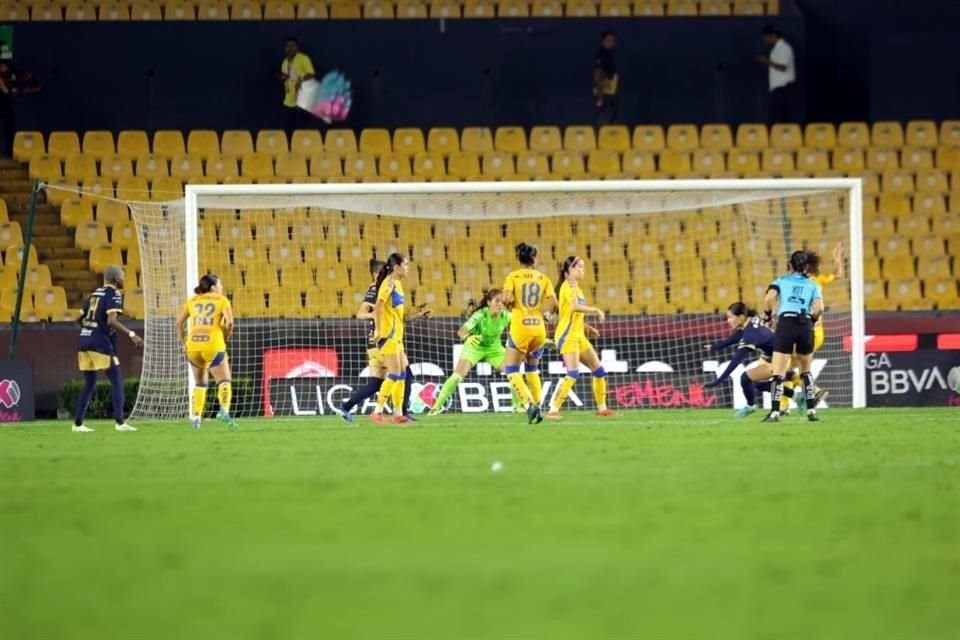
{"points": [[797, 302], [211, 323], [571, 338], [482, 334], [97, 350]]}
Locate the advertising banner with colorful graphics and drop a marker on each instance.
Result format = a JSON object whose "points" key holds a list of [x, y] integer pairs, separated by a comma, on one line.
{"points": [[16, 391]]}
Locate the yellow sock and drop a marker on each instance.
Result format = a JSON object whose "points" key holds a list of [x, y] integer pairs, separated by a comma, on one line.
{"points": [[784, 400], [516, 379], [225, 395], [199, 400], [398, 388], [565, 386], [535, 386], [600, 393], [385, 389]]}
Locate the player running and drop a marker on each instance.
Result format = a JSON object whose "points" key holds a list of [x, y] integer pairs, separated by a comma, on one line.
{"points": [[97, 350], [211, 324], [571, 338], [797, 302], [526, 291], [482, 334]]}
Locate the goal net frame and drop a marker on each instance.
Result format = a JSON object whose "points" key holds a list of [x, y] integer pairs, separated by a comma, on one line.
{"points": [[196, 194]]}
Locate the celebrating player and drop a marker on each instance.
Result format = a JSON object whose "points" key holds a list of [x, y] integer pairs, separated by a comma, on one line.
{"points": [[482, 334], [798, 304], [525, 292], [571, 338], [98, 347], [388, 334], [211, 323], [750, 337]]}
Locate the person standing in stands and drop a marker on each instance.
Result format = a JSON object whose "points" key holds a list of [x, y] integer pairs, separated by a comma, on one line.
{"points": [[606, 82], [781, 75], [295, 68]]}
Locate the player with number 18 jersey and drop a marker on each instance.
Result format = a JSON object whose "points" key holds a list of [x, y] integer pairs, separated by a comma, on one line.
{"points": [[528, 329]]}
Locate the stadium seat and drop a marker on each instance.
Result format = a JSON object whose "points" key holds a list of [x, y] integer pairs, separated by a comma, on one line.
{"points": [[257, 166], [673, 161], [743, 160], [786, 136], [513, 9], [186, 166], [533, 163], [681, 8], [10, 233], [410, 10], [887, 134], [306, 142], [168, 143], [292, 166], [922, 133], [929, 204], [178, 10], [545, 139], [554, 9], [49, 302], [149, 166], [479, 9], [116, 166], [13, 256], [145, 10], [221, 166], [942, 292], [245, 10], [341, 10], [932, 181], [124, 234], [893, 246], [63, 144], [752, 7], [463, 164], [614, 138], [133, 188], [443, 140], [395, 166], [682, 137], [898, 267], [80, 166], [95, 189], [895, 181], [90, 234], [497, 164], [111, 212], [98, 144], [644, 8], [715, 7], [360, 165], [579, 138], [444, 8], [716, 137], [408, 141], [311, 10], [820, 135], [752, 137], [8, 302], [325, 165], [27, 145], [881, 158], [203, 142], [648, 138], [510, 139], [639, 163], [847, 159], [272, 142], [566, 163], [14, 12], [165, 188], [236, 142], [213, 10], [75, 212], [341, 142], [893, 203], [45, 167], [708, 161], [777, 161], [604, 163], [429, 165], [933, 267], [476, 139], [854, 135], [375, 142], [112, 12], [38, 277], [916, 158]]}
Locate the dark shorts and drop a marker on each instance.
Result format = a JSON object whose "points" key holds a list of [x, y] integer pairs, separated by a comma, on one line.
{"points": [[794, 332]]}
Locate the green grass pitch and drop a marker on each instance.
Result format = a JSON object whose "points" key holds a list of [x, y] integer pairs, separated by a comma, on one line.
{"points": [[655, 524]]}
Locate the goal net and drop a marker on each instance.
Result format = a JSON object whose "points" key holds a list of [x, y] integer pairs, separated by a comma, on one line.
{"points": [[664, 260]]}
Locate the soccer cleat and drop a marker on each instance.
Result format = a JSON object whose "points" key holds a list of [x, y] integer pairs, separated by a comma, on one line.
{"points": [[821, 395], [227, 419], [554, 414], [605, 413], [785, 412], [377, 418], [812, 415], [537, 415], [343, 413], [195, 423], [433, 412], [409, 417], [125, 427], [79, 428], [400, 419], [744, 411], [773, 416]]}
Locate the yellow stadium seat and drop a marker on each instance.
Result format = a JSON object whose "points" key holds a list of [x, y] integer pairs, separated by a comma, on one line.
{"points": [[905, 292], [893, 203], [942, 292], [953, 243], [8, 302], [854, 135], [614, 138], [786, 136], [165, 188], [168, 143], [648, 138], [178, 10], [272, 142], [4, 214], [510, 139], [881, 158], [476, 139], [933, 267], [743, 160], [811, 159], [375, 142], [497, 164], [604, 163], [708, 161], [847, 159], [116, 166], [292, 166], [45, 167], [245, 10], [881, 225], [916, 225], [80, 166], [545, 139], [898, 267], [213, 10], [10, 233], [90, 234], [49, 302], [887, 134], [513, 9], [820, 135], [96, 189], [646, 8], [408, 141], [579, 138], [221, 166], [947, 158], [895, 181], [342, 10], [27, 145], [750, 7], [714, 7], [187, 167], [279, 10], [932, 181], [429, 164], [75, 212], [98, 144], [15, 13], [236, 142], [325, 165], [891, 246], [103, 256], [341, 142], [554, 9], [479, 9], [284, 254], [716, 137], [639, 163], [871, 181], [566, 163], [411, 10], [674, 161], [682, 137], [13, 256], [463, 164], [752, 137], [133, 143], [681, 8], [133, 188], [306, 142], [916, 158], [929, 204], [63, 144], [533, 163], [777, 161], [922, 133], [203, 142], [395, 166], [949, 132], [38, 277], [143, 10], [257, 166], [150, 166], [360, 165], [444, 140], [124, 235], [311, 10]]}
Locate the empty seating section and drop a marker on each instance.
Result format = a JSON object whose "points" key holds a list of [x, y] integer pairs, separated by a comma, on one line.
{"points": [[911, 180], [180, 10]]}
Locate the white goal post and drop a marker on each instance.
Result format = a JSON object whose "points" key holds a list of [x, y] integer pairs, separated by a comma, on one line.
{"points": [[777, 215]]}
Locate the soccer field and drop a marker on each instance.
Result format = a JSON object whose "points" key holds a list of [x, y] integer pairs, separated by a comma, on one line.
{"points": [[676, 524]]}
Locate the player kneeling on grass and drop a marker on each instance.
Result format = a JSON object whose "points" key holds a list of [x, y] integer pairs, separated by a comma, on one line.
{"points": [[211, 323], [571, 338], [98, 347], [482, 334]]}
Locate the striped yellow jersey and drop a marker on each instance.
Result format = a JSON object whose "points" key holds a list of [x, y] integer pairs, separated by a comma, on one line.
{"points": [[391, 314], [529, 288], [206, 322], [569, 322]]}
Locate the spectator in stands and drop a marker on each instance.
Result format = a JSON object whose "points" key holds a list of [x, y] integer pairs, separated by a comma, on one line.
{"points": [[295, 68], [606, 82], [8, 89], [781, 75]]}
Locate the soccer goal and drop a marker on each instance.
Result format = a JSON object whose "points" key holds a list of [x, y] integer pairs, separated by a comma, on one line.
{"points": [[665, 260]]}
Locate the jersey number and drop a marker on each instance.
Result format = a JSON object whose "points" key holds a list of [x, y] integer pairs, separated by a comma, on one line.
{"points": [[203, 314], [530, 295], [92, 310]]}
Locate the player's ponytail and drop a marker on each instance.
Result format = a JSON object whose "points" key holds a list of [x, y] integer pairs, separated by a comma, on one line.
{"points": [[741, 309], [812, 266], [526, 254], [395, 260], [564, 270], [375, 266], [207, 283]]}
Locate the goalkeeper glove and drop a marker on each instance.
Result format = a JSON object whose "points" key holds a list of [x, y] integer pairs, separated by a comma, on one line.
{"points": [[473, 341]]}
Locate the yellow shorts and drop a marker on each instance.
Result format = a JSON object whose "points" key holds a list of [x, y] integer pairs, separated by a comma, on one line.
{"points": [[527, 343], [390, 348], [206, 358], [817, 337], [574, 344], [94, 361], [375, 358]]}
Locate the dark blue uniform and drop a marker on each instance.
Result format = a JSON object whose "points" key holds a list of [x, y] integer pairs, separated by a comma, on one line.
{"points": [[752, 338], [97, 338], [371, 299]]}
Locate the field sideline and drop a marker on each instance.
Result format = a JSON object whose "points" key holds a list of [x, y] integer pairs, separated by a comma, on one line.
{"points": [[659, 524]]}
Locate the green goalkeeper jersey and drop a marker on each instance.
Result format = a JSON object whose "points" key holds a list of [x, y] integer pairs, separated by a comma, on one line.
{"points": [[481, 323]]}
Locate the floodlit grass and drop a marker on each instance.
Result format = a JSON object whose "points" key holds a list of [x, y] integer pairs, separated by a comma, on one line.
{"points": [[654, 524]]}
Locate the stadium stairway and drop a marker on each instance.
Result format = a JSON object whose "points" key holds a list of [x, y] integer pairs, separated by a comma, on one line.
{"points": [[54, 243]]}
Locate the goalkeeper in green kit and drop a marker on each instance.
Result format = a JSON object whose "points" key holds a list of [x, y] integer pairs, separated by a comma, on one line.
{"points": [[482, 335]]}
